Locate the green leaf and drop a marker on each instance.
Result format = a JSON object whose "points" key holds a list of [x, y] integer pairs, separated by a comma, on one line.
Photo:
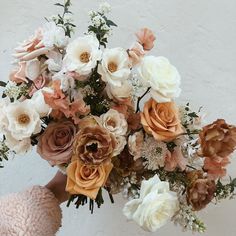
{"points": [[111, 23], [3, 84], [193, 115], [59, 4]]}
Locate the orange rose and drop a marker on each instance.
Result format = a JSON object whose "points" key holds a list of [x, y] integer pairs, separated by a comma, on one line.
{"points": [[161, 120], [87, 179]]}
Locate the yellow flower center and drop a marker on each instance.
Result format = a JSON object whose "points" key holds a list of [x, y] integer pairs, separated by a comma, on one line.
{"points": [[112, 67], [84, 57], [23, 119]]}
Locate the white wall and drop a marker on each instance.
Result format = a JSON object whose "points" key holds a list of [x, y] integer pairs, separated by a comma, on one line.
{"points": [[198, 36]]}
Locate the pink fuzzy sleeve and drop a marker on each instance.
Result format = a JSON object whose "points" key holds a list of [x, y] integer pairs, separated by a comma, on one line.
{"points": [[34, 212]]}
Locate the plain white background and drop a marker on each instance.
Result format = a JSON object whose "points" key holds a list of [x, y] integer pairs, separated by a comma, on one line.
{"points": [[199, 37]]}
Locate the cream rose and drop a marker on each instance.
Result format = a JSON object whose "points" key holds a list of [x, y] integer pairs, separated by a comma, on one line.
{"points": [[119, 93], [135, 144], [114, 67], [156, 205], [162, 77], [114, 122], [82, 55], [120, 145]]}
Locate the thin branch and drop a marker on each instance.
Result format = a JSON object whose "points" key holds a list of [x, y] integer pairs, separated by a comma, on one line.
{"points": [[140, 98]]}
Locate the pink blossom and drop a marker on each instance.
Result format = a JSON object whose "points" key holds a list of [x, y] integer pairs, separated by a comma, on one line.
{"points": [[146, 38]]}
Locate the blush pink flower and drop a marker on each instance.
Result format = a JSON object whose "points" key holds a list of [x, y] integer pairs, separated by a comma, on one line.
{"points": [[39, 83], [18, 75], [56, 99], [31, 48], [136, 53], [216, 167], [175, 160], [146, 38]]}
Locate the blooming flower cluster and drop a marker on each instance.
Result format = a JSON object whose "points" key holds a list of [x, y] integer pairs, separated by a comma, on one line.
{"points": [[79, 102]]}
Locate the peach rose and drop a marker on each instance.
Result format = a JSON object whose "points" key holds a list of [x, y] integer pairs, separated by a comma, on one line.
{"points": [[56, 143], [146, 38], [93, 143], [161, 120], [87, 179], [217, 139]]}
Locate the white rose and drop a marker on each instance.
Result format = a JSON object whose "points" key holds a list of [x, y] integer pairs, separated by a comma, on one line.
{"points": [[114, 122], [120, 145], [23, 119], [82, 55], [54, 35], [115, 66], [162, 77], [119, 93], [156, 205], [39, 103], [18, 146]]}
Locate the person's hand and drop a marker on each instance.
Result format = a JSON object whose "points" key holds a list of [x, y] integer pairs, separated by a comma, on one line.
{"points": [[57, 185]]}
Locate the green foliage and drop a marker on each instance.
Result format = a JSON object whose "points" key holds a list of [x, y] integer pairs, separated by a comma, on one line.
{"points": [[61, 20], [225, 191]]}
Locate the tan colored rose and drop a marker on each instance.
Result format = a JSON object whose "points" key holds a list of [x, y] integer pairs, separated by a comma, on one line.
{"points": [[161, 120], [217, 139], [93, 144], [56, 143], [87, 179], [201, 190]]}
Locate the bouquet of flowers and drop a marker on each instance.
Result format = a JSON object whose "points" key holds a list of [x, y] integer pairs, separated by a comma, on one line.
{"points": [[106, 117]]}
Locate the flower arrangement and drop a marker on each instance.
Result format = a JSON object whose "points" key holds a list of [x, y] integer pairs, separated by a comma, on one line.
{"points": [[81, 104]]}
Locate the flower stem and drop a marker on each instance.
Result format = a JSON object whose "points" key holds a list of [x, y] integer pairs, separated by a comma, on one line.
{"points": [[140, 98]]}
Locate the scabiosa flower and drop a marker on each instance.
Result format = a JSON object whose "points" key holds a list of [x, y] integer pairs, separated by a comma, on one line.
{"points": [[154, 152]]}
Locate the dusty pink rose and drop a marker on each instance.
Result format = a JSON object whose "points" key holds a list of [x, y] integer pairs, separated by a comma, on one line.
{"points": [[175, 160], [31, 48], [136, 53], [146, 38], [56, 143]]}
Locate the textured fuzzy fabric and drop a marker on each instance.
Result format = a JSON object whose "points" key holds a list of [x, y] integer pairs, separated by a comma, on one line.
{"points": [[34, 212]]}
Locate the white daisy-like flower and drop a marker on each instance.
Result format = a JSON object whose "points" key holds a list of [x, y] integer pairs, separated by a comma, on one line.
{"points": [[22, 119], [154, 152], [115, 66], [82, 55]]}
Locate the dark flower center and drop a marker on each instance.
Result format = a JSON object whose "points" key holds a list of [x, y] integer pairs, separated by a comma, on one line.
{"points": [[92, 147]]}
